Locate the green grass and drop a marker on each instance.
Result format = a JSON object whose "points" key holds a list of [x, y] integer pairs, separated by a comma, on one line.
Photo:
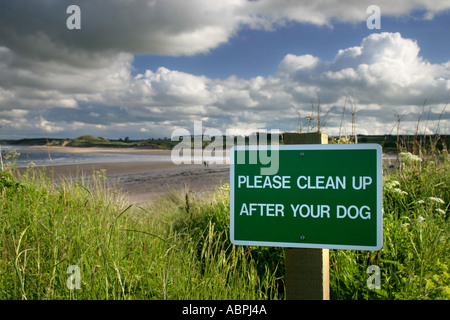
{"points": [[414, 259], [179, 248], [169, 251]]}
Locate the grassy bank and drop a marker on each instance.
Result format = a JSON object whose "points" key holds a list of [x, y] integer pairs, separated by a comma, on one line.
{"points": [[176, 250], [51, 236], [414, 259], [91, 141]]}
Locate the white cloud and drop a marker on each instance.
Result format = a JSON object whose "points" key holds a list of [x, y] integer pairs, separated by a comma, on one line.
{"points": [[167, 27], [385, 64], [267, 13], [292, 63], [384, 75], [55, 80]]}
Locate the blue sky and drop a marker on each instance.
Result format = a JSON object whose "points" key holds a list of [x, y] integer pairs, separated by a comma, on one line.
{"points": [[144, 68], [257, 52]]}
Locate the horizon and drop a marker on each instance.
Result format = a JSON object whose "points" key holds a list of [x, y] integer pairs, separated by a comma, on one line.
{"points": [[147, 68], [124, 139]]}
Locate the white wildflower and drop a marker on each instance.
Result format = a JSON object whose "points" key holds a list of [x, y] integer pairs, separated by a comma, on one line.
{"points": [[420, 219], [420, 202], [392, 184], [409, 157], [435, 199], [399, 191], [440, 211]]}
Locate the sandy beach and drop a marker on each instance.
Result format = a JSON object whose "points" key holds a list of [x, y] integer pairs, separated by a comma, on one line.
{"points": [[144, 181], [142, 150]]}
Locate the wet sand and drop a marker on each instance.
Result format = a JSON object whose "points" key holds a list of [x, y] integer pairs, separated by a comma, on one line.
{"points": [[140, 150], [144, 181]]}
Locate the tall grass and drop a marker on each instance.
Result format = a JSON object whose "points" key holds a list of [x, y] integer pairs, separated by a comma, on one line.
{"points": [[414, 259], [170, 251], [179, 247]]}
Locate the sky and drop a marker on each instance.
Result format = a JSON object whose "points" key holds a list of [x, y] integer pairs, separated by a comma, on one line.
{"points": [[144, 68]]}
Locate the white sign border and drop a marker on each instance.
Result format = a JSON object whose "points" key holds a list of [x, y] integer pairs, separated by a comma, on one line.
{"points": [[302, 147]]}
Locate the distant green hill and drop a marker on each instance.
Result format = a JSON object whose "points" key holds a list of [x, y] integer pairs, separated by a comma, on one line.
{"points": [[91, 141], [388, 142], [35, 142]]}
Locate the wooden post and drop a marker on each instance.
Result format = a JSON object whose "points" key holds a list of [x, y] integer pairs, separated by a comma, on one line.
{"points": [[307, 270]]}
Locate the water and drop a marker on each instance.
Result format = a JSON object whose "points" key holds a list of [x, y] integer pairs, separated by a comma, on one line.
{"points": [[40, 157]]}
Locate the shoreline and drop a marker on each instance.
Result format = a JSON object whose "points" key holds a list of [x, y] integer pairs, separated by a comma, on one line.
{"points": [[144, 181], [103, 150]]}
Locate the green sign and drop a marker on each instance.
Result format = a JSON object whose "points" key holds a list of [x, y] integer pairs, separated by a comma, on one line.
{"points": [[308, 196]]}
